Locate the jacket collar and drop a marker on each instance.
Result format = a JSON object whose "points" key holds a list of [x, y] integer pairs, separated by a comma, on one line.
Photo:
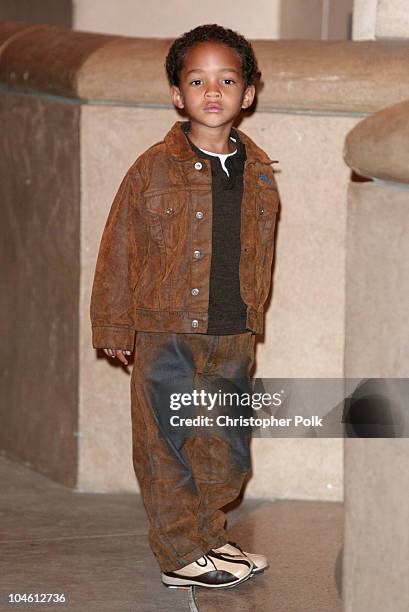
{"points": [[180, 148], [240, 155]]}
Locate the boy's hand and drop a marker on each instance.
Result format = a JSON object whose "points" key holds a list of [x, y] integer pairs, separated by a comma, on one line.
{"points": [[119, 353]]}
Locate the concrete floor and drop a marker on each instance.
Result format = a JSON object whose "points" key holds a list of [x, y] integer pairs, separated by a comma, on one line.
{"points": [[94, 549]]}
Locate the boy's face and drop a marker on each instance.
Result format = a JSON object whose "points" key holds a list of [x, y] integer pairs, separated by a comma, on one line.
{"points": [[211, 85]]}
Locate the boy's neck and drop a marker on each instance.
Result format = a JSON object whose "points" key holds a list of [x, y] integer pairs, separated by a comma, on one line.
{"points": [[216, 140]]}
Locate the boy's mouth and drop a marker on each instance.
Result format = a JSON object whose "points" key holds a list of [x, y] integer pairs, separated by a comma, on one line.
{"points": [[213, 108]]}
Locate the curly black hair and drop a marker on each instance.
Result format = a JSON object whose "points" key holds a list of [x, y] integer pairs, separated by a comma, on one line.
{"points": [[211, 33]]}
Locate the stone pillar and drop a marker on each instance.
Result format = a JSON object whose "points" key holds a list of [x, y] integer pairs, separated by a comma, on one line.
{"points": [[46, 11], [380, 19], [364, 19], [376, 553], [316, 19]]}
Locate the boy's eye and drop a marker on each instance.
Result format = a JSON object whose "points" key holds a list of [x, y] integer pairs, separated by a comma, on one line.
{"points": [[195, 82], [228, 81]]}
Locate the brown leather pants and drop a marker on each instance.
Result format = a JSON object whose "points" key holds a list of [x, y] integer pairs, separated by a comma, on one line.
{"points": [[186, 477]]}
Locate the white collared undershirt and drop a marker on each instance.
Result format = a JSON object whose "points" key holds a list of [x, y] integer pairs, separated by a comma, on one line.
{"points": [[222, 156]]}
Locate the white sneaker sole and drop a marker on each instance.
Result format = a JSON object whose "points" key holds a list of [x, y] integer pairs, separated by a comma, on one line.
{"points": [[259, 570]]}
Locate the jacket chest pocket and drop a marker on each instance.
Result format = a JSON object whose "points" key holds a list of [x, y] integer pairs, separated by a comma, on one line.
{"points": [[167, 216], [266, 211]]}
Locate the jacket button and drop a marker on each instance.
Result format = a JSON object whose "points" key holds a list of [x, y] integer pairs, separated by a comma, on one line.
{"points": [[198, 165], [199, 215], [195, 323], [194, 291], [196, 254], [261, 211], [169, 211]]}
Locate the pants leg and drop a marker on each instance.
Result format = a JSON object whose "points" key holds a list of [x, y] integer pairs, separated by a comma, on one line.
{"points": [[220, 465], [184, 482]]}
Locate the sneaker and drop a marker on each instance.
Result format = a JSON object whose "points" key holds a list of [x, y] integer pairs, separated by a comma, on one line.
{"points": [[232, 551], [212, 570]]}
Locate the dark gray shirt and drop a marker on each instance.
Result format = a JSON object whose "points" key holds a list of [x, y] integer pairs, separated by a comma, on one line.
{"points": [[227, 310]]}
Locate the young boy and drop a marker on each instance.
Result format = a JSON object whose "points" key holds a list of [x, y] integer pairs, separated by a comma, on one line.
{"points": [[183, 271]]}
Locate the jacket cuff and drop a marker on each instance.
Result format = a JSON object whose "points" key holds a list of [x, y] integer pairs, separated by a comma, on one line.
{"points": [[108, 336]]}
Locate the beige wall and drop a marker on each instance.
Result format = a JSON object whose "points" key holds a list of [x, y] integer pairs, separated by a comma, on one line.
{"points": [[305, 19], [305, 322], [304, 332], [313, 19], [156, 18]]}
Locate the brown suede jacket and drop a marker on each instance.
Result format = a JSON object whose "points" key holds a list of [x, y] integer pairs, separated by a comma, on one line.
{"points": [[153, 266]]}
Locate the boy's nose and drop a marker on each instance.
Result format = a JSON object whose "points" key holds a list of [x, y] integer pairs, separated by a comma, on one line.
{"points": [[213, 92]]}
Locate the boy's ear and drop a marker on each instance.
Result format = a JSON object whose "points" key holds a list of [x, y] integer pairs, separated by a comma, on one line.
{"points": [[248, 96], [176, 97]]}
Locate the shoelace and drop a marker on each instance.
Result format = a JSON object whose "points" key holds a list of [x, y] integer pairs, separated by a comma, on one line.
{"points": [[204, 559], [211, 561]]}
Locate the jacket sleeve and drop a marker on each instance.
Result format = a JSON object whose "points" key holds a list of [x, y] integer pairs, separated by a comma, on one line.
{"points": [[117, 269]]}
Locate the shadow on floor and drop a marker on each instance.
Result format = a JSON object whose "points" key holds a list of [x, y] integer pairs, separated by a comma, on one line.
{"points": [[93, 548]]}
